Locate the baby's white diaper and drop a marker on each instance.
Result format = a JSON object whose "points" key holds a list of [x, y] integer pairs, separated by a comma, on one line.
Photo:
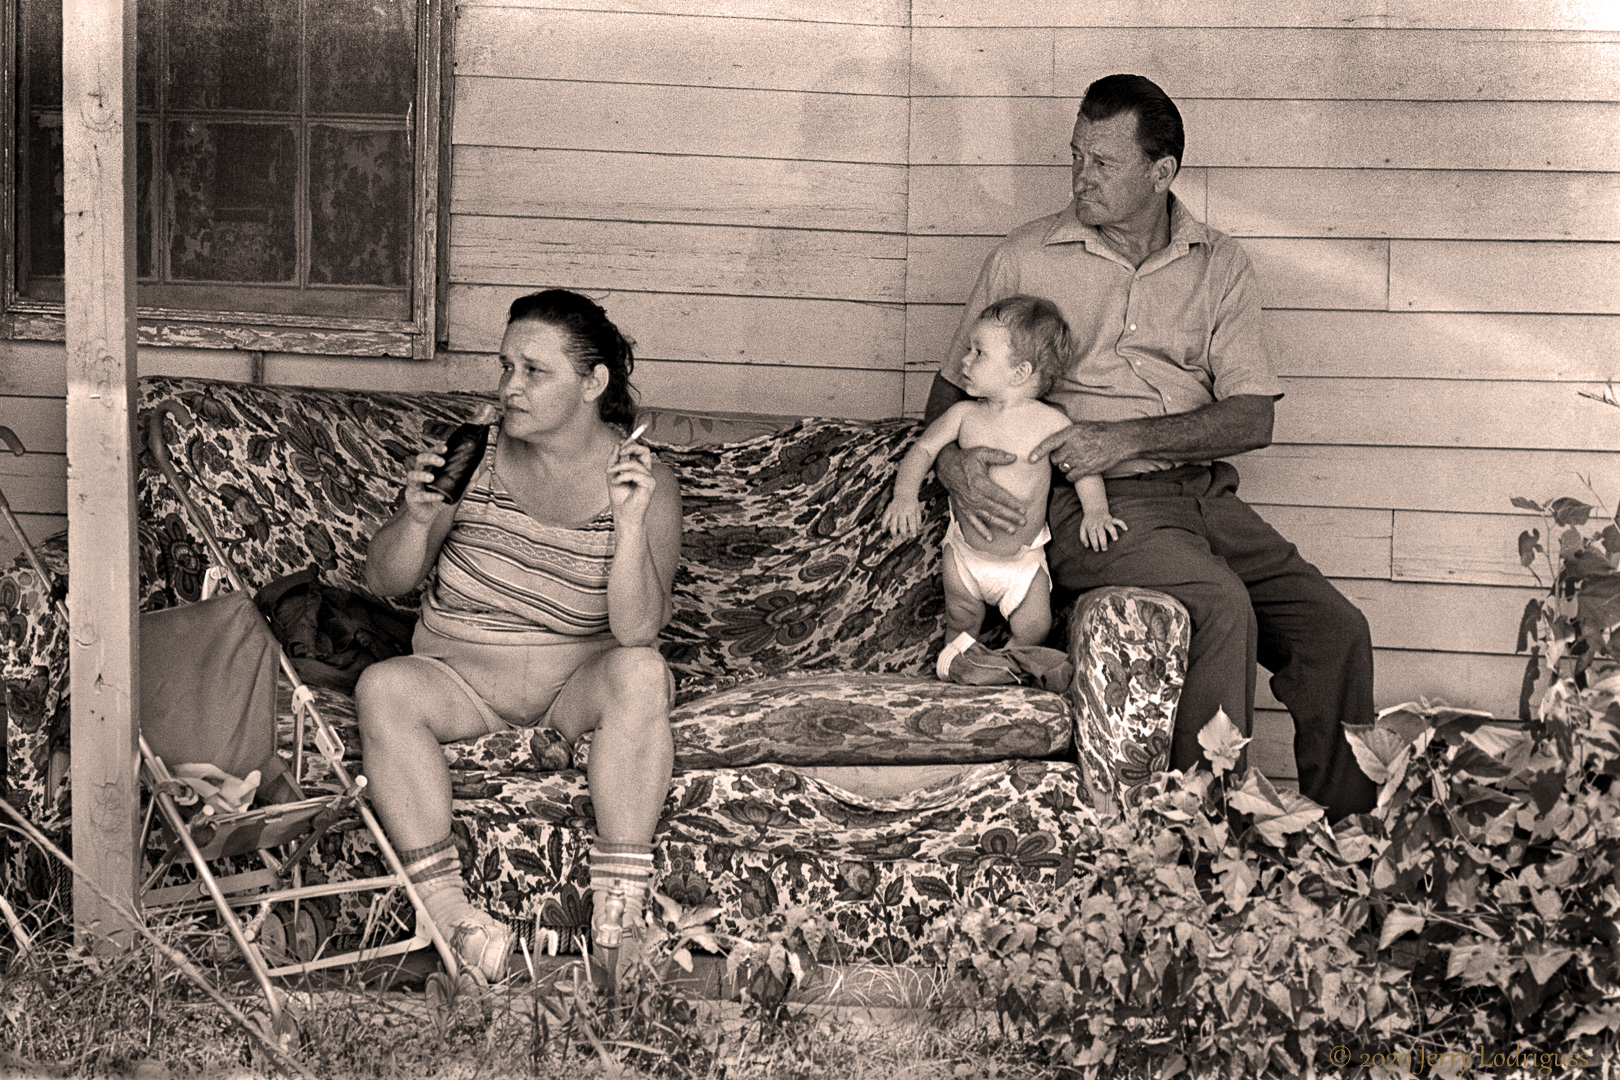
{"points": [[996, 579]]}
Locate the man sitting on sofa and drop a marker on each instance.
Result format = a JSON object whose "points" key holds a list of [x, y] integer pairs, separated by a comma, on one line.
{"points": [[1170, 374]]}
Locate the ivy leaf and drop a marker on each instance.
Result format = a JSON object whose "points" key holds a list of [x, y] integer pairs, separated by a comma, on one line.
{"points": [[1472, 963], [1570, 511], [1597, 604], [1509, 744], [1276, 813], [1545, 960], [1525, 504], [1596, 1021], [1401, 918], [1529, 546], [1223, 743], [1351, 840], [1381, 752]]}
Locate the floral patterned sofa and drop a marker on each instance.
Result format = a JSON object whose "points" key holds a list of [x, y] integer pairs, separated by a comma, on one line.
{"points": [[818, 761]]}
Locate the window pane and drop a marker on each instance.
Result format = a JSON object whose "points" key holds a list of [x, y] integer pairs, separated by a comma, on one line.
{"points": [[231, 190], [42, 25], [360, 206], [148, 31], [44, 209], [146, 208], [233, 54], [362, 56]]}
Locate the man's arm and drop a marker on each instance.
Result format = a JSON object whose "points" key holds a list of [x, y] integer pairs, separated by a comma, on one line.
{"points": [[1222, 428]]}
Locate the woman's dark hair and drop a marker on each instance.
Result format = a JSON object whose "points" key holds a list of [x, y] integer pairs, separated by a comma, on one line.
{"points": [[591, 339], [1158, 121]]}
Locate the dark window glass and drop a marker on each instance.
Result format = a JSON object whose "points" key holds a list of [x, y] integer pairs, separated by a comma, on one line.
{"points": [[360, 206], [232, 54], [44, 186], [362, 57], [282, 180], [231, 188]]}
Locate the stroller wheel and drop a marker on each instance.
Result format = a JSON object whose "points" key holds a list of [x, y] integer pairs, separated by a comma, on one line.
{"points": [[309, 932], [274, 941]]}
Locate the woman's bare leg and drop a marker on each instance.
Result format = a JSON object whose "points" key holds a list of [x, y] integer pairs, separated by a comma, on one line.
{"points": [[623, 695], [407, 707]]}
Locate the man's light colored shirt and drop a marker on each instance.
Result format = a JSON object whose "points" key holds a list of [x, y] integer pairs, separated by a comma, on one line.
{"points": [[1179, 332]]}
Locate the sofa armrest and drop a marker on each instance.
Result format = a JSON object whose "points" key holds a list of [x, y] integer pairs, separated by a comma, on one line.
{"points": [[1129, 647], [34, 670]]}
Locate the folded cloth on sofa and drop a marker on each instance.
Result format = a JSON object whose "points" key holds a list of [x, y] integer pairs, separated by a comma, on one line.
{"points": [[1028, 665]]}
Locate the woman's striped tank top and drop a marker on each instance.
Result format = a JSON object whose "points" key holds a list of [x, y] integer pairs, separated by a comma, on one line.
{"points": [[501, 575]]}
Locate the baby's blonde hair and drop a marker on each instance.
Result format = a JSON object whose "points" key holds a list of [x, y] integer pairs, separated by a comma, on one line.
{"points": [[1038, 334]]}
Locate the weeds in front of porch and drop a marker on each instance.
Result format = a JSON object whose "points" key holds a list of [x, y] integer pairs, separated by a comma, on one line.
{"points": [[1219, 926], [66, 1011]]}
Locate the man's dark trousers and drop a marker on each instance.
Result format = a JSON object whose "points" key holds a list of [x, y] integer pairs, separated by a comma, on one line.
{"points": [[1251, 597]]}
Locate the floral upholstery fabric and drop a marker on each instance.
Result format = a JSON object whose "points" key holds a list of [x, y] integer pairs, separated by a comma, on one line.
{"points": [[787, 586], [1129, 647], [757, 840], [831, 719], [785, 565], [35, 673]]}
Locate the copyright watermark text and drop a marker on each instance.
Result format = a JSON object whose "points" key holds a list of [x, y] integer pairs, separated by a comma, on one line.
{"points": [[1422, 1060]]}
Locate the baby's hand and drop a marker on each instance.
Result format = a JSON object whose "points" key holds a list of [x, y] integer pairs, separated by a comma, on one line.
{"points": [[903, 518], [1095, 531]]}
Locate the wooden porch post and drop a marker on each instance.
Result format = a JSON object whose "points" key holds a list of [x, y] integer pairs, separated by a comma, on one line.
{"points": [[98, 145]]}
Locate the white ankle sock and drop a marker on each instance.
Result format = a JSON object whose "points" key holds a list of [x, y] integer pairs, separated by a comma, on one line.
{"points": [[954, 648], [481, 940]]}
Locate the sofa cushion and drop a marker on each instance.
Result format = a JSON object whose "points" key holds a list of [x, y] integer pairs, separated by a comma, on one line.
{"points": [[785, 565], [833, 719]]}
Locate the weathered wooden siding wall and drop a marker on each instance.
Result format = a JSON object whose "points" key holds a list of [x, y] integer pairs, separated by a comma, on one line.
{"points": [[786, 200], [733, 174]]}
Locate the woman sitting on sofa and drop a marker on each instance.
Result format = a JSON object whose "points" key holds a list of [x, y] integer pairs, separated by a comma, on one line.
{"points": [[550, 580]]}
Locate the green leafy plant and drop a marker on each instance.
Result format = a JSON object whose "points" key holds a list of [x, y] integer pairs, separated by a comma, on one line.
{"points": [[1568, 633]]}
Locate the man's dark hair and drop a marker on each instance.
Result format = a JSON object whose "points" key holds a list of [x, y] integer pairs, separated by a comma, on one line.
{"points": [[1158, 121]]}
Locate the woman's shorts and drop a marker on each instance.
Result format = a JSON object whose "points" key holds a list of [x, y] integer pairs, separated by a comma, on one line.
{"points": [[509, 685]]}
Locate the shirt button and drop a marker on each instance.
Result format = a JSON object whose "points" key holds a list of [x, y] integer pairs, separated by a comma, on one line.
{"points": [[1133, 326]]}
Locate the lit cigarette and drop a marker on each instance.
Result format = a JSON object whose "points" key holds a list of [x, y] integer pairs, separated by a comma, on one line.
{"points": [[636, 434]]}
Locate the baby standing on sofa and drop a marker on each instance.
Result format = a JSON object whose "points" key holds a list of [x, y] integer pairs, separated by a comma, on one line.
{"points": [[1016, 349]]}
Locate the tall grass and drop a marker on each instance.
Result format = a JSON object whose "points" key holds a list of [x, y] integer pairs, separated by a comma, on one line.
{"points": [[70, 1010]]}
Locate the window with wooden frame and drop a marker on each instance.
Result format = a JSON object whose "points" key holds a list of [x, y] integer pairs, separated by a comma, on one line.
{"points": [[287, 162]]}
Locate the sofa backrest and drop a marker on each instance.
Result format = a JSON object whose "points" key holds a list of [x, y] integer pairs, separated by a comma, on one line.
{"points": [[785, 565]]}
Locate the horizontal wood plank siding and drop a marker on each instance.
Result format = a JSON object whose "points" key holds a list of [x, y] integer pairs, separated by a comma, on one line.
{"points": [[501, 181], [869, 12], [1395, 14], [1418, 478], [1494, 276], [679, 120], [1433, 204], [1349, 63], [742, 330], [677, 50], [712, 259], [1303, 134]]}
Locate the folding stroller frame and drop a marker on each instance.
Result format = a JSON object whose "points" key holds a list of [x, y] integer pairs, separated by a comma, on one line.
{"points": [[280, 834]]}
